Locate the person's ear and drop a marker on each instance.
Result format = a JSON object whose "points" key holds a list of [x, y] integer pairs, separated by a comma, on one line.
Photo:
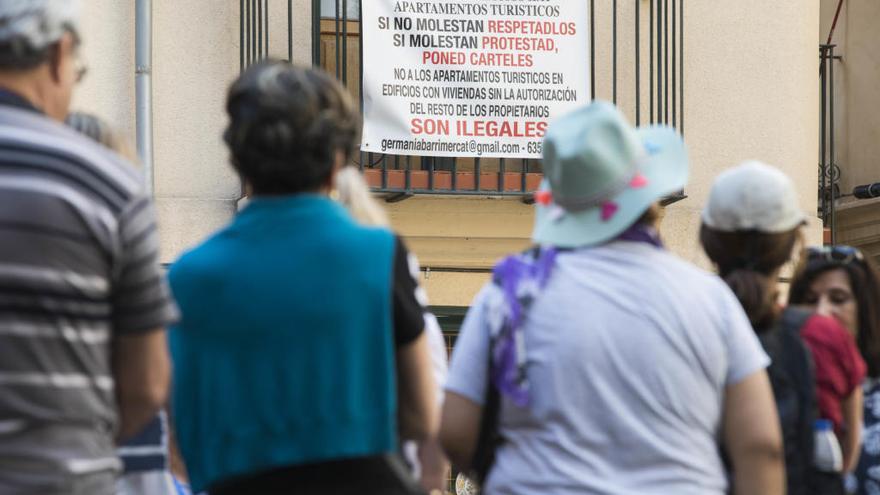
{"points": [[55, 58], [59, 57]]}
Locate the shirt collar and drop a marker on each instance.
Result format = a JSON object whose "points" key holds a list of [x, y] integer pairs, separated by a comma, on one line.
{"points": [[639, 232], [15, 100]]}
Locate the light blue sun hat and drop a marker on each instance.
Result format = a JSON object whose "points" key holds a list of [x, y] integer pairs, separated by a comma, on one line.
{"points": [[601, 174]]}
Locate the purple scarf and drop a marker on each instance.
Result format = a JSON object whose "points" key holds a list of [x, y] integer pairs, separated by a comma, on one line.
{"points": [[640, 232]]}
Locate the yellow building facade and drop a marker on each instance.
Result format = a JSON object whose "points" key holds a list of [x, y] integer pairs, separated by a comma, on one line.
{"points": [[856, 120], [750, 92]]}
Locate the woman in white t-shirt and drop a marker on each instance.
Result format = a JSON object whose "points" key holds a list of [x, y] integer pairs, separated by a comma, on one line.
{"points": [[619, 367]]}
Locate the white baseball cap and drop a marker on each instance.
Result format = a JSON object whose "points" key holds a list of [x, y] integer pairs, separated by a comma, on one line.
{"points": [[753, 196]]}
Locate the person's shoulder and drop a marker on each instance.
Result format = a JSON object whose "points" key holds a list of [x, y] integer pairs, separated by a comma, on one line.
{"points": [[378, 232], [40, 134], [381, 240], [357, 232], [490, 296], [697, 288], [204, 261], [685, 271]]}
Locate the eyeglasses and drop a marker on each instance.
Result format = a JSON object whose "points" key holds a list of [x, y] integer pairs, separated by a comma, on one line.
{"points": [[842, 255], [80, 69]]}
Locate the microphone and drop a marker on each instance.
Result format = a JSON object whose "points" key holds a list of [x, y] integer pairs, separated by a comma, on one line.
{"points": [[867, 191]]}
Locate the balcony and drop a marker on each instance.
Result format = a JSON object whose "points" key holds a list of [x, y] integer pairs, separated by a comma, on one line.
{"points": [[635, 61]]}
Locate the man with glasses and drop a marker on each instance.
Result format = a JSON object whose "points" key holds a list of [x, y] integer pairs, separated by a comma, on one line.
{"points": [[83, 304]]}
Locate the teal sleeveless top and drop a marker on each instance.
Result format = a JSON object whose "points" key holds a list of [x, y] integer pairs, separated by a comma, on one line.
{"points": [[284, 353]]}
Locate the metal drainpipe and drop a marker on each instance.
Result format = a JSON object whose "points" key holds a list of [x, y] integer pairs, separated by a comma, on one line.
{"points": [[143, 88]]}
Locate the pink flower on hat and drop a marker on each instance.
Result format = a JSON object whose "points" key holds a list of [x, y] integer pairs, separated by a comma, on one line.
{"points": [[544, 197], [639, 181], [609, 208]]}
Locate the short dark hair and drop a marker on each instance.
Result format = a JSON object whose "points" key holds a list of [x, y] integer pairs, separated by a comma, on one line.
{"points": [[864, 282], [287, 125], [17, 54], [746, 260]]}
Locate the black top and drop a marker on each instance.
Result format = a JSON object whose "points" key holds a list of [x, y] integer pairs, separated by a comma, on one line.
{"points": [[407, 315]]}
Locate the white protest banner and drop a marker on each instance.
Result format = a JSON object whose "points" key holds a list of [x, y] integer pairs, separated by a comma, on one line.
{"points": [[470, 77]]}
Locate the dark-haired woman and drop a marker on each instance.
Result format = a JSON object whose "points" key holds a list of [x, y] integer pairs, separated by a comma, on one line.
{"points": [[842, 282], [751, 225], [300, 361]]}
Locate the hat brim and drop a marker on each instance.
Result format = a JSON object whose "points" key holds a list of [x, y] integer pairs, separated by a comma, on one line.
{"points": [[666, 171]]}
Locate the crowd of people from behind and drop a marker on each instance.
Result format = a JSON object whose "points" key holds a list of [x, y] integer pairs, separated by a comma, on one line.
{"points": [[306, 359]]}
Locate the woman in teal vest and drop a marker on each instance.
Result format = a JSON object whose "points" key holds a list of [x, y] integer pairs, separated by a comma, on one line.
{"points": [[300, 359]]}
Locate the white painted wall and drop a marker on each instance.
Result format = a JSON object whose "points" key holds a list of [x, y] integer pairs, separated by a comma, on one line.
{"points": [[751, 87], [195, 58]]}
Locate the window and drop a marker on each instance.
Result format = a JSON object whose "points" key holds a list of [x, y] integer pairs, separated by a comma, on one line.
{"points": [[328, 9]]}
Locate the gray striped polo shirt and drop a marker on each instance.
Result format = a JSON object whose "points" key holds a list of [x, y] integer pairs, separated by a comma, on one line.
{"points": [[78, 266]]}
